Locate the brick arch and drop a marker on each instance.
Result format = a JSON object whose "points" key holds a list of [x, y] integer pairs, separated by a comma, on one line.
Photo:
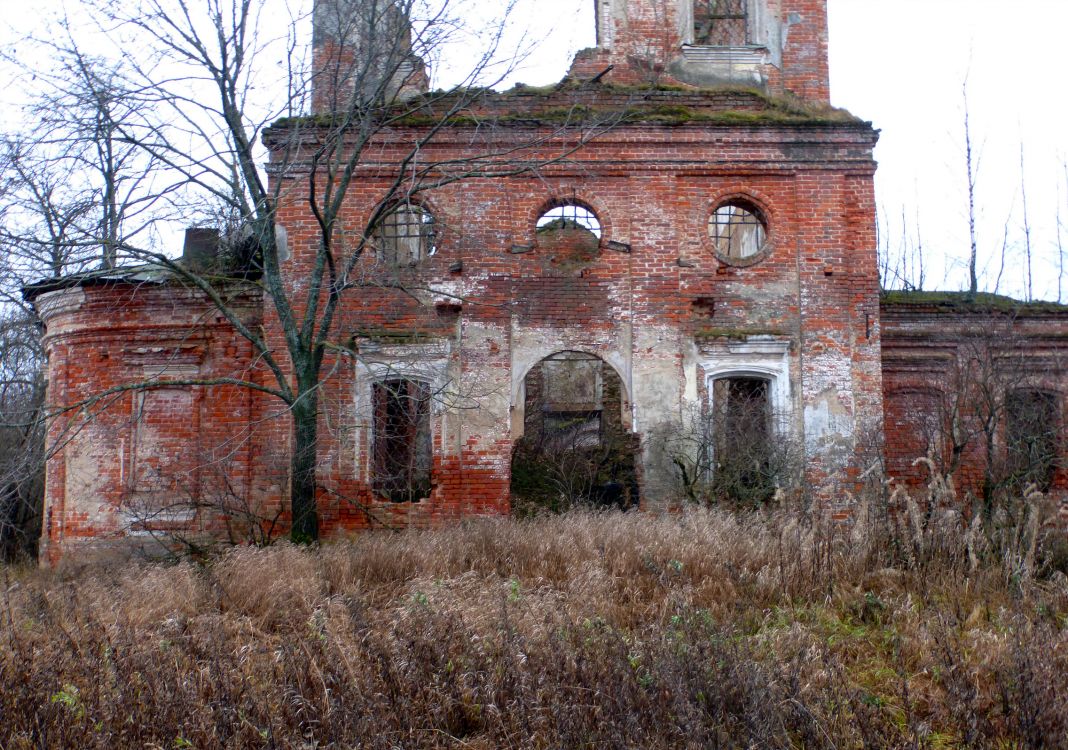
{"points": [[574, 197], [443, 233], [575, 414], [540, 355], [518, 400]]}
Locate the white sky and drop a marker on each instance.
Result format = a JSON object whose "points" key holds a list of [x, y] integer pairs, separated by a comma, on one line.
{"points": [[902, 65]]}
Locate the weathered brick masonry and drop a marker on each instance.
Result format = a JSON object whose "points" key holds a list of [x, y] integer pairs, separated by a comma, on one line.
{"points": [[124, 462], [958, 372], [698, 131]]}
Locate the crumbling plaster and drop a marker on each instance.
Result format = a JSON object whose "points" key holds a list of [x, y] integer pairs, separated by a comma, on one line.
{"points": [[655, 303]]}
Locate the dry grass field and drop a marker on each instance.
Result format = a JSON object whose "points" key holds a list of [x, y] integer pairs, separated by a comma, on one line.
{"points": [[702, 629]]}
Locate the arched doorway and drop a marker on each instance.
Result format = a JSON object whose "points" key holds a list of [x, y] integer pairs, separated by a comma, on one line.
{"points": [[576, 447]]}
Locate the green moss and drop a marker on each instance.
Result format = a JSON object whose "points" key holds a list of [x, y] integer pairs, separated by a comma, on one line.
{"points": [[522, 89], [735, 334], [965, 301], [679, 115], [548, 104], [389, 336]]}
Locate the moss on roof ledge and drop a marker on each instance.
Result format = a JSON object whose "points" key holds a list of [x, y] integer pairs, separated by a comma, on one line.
{"points": [[967, 302], [581, 103]]}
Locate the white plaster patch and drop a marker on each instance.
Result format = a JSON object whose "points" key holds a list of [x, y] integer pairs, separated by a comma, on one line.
{"points": [[763, 356], [828, 423]]}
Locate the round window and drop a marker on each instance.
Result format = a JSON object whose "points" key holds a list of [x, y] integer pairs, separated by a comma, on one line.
{"points": [[738, 231], [571, 232]]}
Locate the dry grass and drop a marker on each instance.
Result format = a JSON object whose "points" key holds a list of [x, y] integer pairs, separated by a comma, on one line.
{"points": [[703, 629]]}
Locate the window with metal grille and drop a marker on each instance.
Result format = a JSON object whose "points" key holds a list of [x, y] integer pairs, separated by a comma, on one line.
{"points": [[721, 23], [405, 235], [737, 231], [401, 440], [570, 216]]}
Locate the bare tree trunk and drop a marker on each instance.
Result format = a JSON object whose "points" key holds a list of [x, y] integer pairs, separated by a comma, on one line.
{"points": [[972, 167], [303, 464], [1028, 284], [1004, 250], [921, 276], [1060, 244]]}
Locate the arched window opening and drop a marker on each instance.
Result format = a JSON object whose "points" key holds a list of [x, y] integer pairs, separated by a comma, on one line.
{"points": [[569, 234], [721, 23], [1032, 437], [571, 217], [575, 449], [737, 230], [401, 440], [405, 235]]}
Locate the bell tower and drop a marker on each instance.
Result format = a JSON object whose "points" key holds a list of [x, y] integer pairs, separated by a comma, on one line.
{"points": [[362, 52], [778, 46]]}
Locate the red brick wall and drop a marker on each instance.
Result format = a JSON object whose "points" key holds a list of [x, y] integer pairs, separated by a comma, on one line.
{"points": [[117, 459], [495, 299], [653, 188], [644, 38], [949, 362]]}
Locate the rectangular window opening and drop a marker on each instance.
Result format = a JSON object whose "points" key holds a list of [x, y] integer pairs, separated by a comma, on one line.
{"points": [[402, 448], [721, 23]]}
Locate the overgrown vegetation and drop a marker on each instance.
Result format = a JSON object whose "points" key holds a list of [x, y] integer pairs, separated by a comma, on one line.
{"points": [[702, 629], [21, 435], [982, 302]]}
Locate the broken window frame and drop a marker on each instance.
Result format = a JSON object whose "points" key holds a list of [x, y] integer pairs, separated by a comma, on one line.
{"points": [[761, 356], [756, 428], [401, 445], [570, 212], [728, 422], [403, 244]]}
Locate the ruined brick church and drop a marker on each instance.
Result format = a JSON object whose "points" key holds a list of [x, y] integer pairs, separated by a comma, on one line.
{"points": [[712, 252]]}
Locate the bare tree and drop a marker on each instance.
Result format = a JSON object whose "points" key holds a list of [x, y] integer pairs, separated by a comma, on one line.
{"points": [[189, 108], [21, 434], [1028, 285], [971, 163], [738, 452], [1058, 229], [992, 420], [70, 193]]}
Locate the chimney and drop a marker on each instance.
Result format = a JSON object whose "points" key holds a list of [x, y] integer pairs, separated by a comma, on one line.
{"points": [[362, 54], [201, 249]]}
